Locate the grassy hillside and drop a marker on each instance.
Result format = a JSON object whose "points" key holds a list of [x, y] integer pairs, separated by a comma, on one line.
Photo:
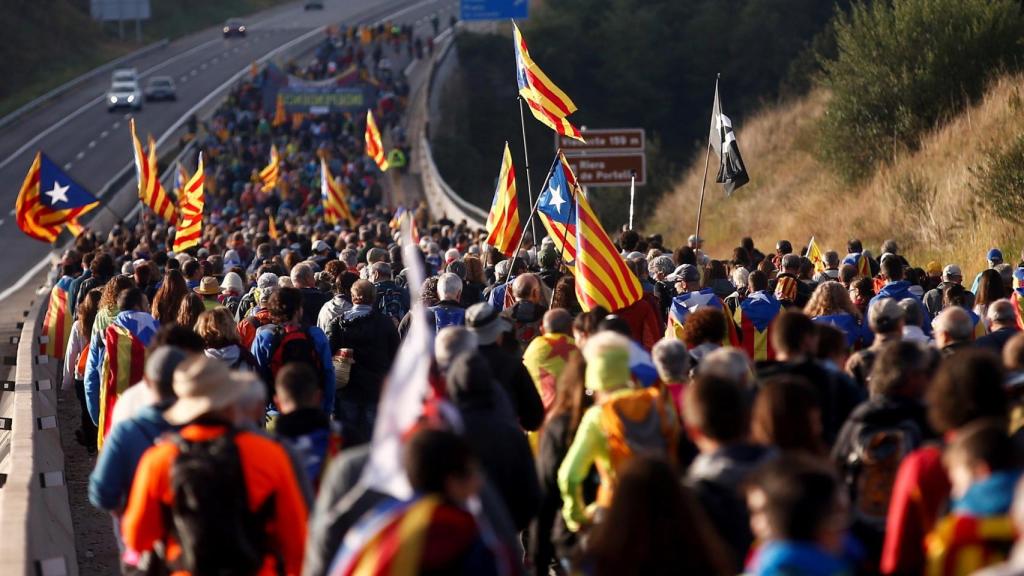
{"points": [[75, 43], [923, 199]]}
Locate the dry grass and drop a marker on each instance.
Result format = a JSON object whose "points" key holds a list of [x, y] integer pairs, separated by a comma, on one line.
{"points": [[922, 199]]}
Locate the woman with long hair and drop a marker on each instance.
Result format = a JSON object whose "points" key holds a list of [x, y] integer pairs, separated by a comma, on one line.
{"points": [[654, 526], [74, 363], [549, 537], [108, 301], [831, 304], [564, 295], [191, 307], [220, 337], [990, 289], [169, 297]]}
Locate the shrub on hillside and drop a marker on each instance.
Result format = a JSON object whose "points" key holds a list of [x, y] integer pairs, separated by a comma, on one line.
{"points": [[999, 181], [904, 65]]}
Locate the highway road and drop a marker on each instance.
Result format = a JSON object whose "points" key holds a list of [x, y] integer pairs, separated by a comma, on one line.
{"points": [[93, 145]]}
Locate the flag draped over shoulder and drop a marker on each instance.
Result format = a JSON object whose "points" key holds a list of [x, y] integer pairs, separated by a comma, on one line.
{"points": [[374, 145], [334, 197], [190, 222], [49, 200], [556, 208], [732, 173], [815, 255], [547, 102], [122, 367], [503, 228], [754, 316], [689, 302], [58, 319], [270, 173], [151, 191]]}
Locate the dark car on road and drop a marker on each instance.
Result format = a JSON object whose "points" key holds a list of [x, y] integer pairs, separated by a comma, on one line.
{"points": [[313, 5], [234, 27], [160, 88]]}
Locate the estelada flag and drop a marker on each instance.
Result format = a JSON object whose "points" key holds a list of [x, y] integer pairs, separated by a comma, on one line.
{"points": [[190, 222], [815, 255], [374, 146], [687, 303], [556, 208], [58, 319], [503, 228], [602, 276], [270, 173], [754, 316], [49, 200], [151, 191], [545, 360], [548, 103]]}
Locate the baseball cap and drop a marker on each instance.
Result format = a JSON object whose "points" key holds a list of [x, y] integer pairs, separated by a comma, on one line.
{"points": [[267, 280], [951, 270], [684, 273], [994, 254], [883, 314], [486, 322], [320, 246], [694, 239]]}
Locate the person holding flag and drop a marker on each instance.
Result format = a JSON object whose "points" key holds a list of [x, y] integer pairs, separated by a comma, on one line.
{"points": [[503, 228], [49, 200]]}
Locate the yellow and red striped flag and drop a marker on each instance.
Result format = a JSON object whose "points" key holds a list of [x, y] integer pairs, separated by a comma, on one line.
{"points": [[280, 117], [270, 173], [374, 146], [334, 197], [272, 226], [548, 103], [49, 200], [57, 321], [151, 192], [190, 222], [123, 363], [503, 229]]}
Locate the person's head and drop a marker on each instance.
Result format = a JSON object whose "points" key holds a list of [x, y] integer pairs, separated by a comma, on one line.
{"points": [[379, 272], [557, 321], [832, 345], [629, 240], [783, 247], [757, 281], [217, 328], [182, 337], [132, 300], [88, 307], [449, 287], [363, 292], [978, 450], [885, 317], [791, 263], [705, 325], [526, 288], [112, 289], [994, 257], [967, 386], [192, 270], [303, 276], [847, 274], [990, 287], [903, 369], [797, 498], [716, 412], [830, 298], [892, 269], [728, 363], [739, 277], [615, 323], [296, 386], [474, 269], [350, 256], [660, 267], [452, 342], [787, 415], [686, 278], [1013, 353], [206, 387], [487, 323], [952, 326], [285, 305], [912, 314], [831, 260], [607, 356], [1001, 314], [794, 336], [954, 295], [672, 360], [158, 374], [442, 463]]}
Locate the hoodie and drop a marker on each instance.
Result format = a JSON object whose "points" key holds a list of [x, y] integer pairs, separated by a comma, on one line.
{"points": [[796, 559], [989, 497], [900, 290], [142, 326], [232, 356], [112, 477]]}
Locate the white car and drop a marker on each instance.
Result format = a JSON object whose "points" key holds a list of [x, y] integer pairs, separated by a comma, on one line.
{"points": [[124, 94], [124, 75]]}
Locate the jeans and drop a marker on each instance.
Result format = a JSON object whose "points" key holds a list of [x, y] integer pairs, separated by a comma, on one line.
{"points": [[356, 421]]}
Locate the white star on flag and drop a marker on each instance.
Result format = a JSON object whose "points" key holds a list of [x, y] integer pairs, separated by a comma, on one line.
{"points": [[556, 198], [59, 193], [697, 300]]}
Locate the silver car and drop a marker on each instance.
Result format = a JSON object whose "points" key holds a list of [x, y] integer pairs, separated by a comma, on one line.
{"points": [[124, 95]]}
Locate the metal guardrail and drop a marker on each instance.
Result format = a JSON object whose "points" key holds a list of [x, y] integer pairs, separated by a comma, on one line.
{"points": [[37, 102], [442, 200], [43, 543]]}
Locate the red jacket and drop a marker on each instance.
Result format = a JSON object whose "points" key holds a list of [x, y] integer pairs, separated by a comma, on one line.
{"points": [[918, 496], [644, 321]]}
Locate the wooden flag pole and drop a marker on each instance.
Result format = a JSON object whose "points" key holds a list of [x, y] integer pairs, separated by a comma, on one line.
{"points": [[529, 185], [707, 159]]}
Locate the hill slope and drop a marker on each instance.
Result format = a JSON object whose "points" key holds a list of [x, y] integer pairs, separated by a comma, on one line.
{"points": [[922, 199]]}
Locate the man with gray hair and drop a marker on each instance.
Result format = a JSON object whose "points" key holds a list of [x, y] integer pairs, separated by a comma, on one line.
{"points": [[1002, 325], [672, 360], [729, 363], [313, 299], [831, 271], [953, 328], [350, 257], [659, 268], [885, 318], [449, 311], [791, 269]]}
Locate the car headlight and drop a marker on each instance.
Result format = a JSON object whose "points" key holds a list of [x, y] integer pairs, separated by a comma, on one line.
{"points": [[241, 28], [226, 29], [131, 97], [113, 99]]}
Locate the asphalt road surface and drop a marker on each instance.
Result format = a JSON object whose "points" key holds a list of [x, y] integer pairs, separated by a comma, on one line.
{"points": [[93, 145]]}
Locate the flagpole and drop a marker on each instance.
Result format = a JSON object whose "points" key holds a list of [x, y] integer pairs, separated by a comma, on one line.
{"points": [[526, 157], [565, 230], [707, 159], [632, 193], [529, 220]]}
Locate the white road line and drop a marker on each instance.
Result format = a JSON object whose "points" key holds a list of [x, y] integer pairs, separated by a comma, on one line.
{"points": [[67, 166], [127, 115], [183, 79], [92, 143], [192, 72], [104, 134], [116, 125], [1, 221], [80, 155], [202, 66], [12, 212], [215, 60]]}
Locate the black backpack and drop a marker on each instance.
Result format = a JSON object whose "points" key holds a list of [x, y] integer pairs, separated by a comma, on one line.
{"points": [[872, 463], [391, 303], [210, 513], [293, 344]]}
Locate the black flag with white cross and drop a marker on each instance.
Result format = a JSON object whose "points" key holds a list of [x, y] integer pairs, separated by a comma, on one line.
{"points": [[732, 173]]}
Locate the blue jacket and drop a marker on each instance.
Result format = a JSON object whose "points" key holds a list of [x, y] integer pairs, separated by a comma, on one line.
{"points": [[111, 479], [142, 325], [899, 291], [989, 497], [262, 350], [786, 558]]}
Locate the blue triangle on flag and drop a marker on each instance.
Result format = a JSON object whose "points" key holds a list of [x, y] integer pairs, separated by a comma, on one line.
{"points": [[57, 190]]}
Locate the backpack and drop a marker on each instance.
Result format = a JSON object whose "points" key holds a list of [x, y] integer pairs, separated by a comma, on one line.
{"points": [[638, 423], [873, 461], [293, 344], [391, 303], [210, 513], [445, 316]]}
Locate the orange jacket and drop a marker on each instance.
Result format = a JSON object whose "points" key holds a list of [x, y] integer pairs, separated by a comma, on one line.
{"points": [[268, 471]]}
